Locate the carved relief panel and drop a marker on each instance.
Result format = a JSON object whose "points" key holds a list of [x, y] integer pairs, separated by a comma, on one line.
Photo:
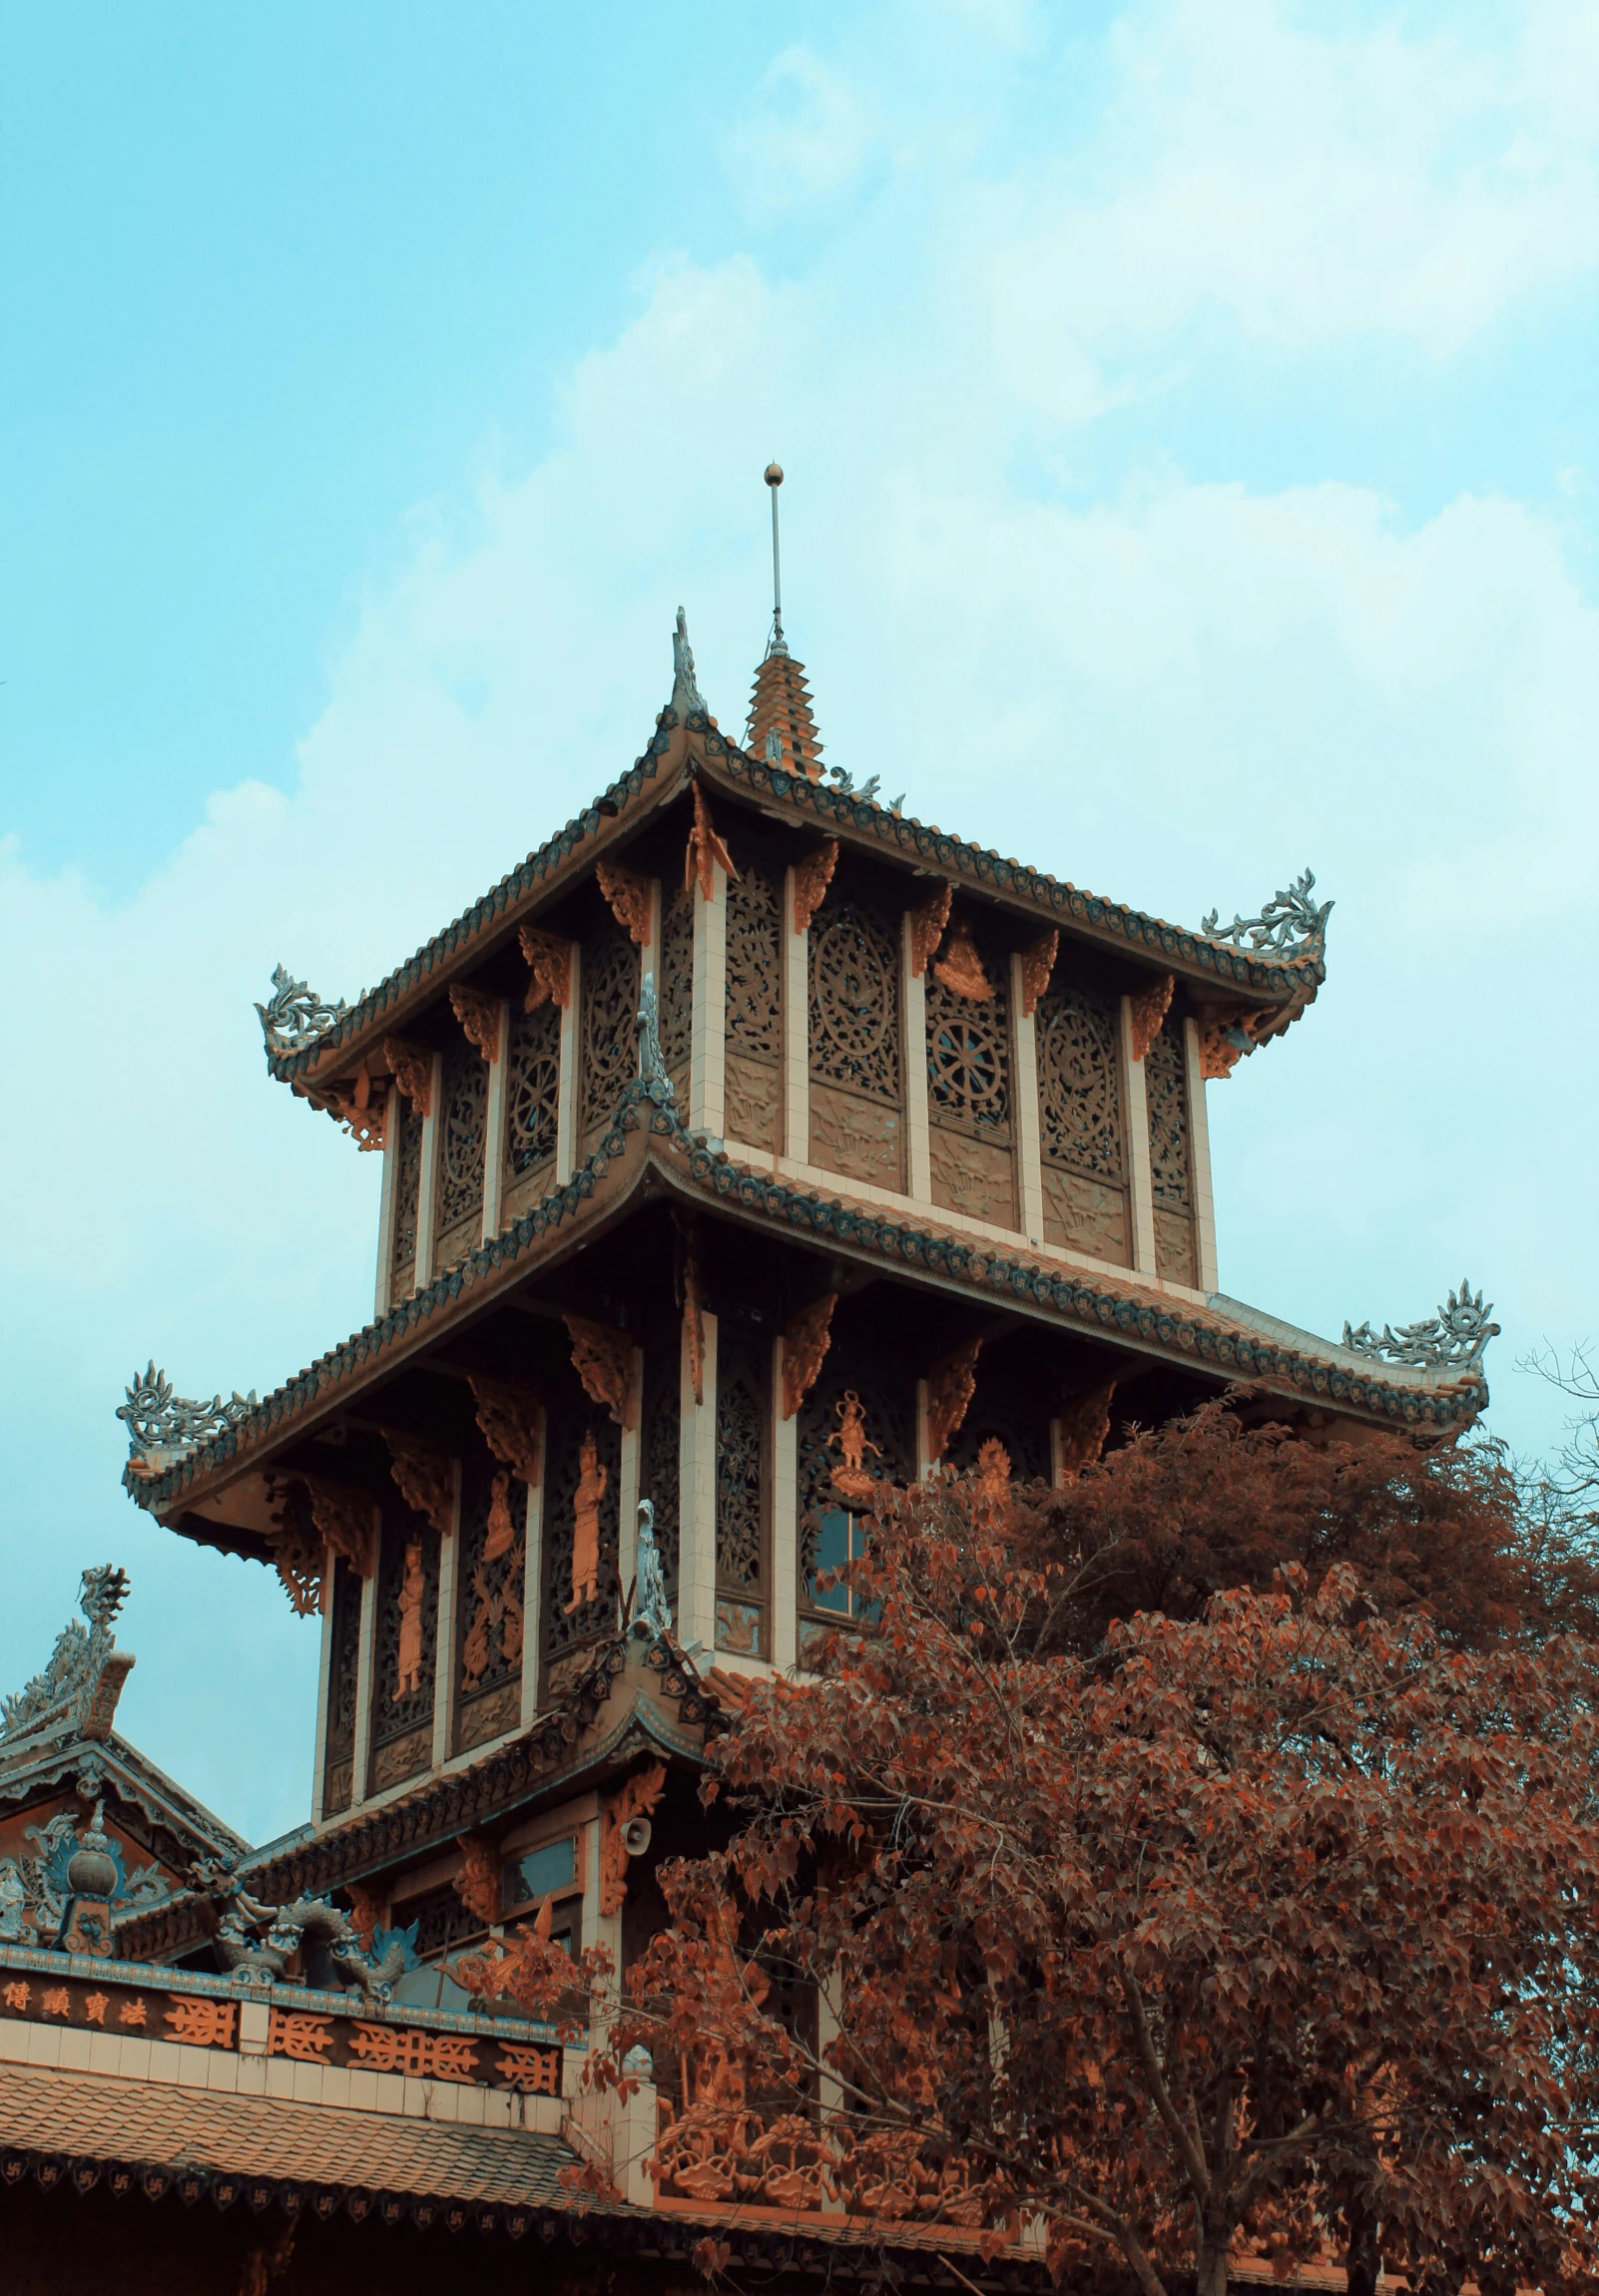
{"points": [[754, 1045], [971, 1142], [532, 1094], [659, 1458], [857, 1052], [406, 1648], [675, 989], [344, 1669], [582, 1479], [1171, 1155], [849, 1392], [743, 1512], [408, 1199], [608, 1044], [463, 1137], [489, 1601], [1083, 1137]]}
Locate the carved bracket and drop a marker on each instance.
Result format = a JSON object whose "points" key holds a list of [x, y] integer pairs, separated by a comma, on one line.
{"points": [[1148, 1007], [477, 1885], [550, 965], [631, 897], [348, 1518], [1224, 1037], [961, 968], [479, 1015], [411, 1067], [603, 1360], [509, 1416], [1038, 961], [352, 1103], [1084, 1426], [927, 922], [804, 1343], [425, 1474], [625, 1832], [705, 849], [812, 878], [952, 1384]]}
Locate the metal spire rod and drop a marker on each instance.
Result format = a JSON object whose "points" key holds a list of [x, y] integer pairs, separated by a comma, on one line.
{"points": [[774, 481]]}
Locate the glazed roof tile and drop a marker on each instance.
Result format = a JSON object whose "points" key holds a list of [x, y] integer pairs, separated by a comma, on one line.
{"points": [[1289, 980]]}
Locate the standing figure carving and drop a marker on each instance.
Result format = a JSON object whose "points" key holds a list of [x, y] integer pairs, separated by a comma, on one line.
{"points": [[651, 1611], [849, 1476], [592, 1482], [408, 1671]]}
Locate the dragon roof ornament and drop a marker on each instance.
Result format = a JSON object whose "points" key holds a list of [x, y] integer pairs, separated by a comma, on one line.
{"points": [[295, 1014], [159, 1420], [1291, 924], [1452, 1340]]}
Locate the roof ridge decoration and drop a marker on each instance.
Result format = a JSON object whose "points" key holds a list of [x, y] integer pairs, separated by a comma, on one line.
{"points": [[1289, 924], [158, 1420], [77, 1690], [687, 699], [1454, 1339], [294, 1016]]}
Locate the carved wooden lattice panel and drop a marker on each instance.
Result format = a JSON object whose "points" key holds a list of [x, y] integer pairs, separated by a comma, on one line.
{"points": [[1079, 1089], [406, 1649], [407, 1193], [755, 1012], [676, 991], [343, 1670], [489, 1601], [608, 1044], [659, 1458], [970, 1103], [532, 1096], [741, 1513], [890, 1423], [1171, 1155], [568, 1631], [463, 1106], [856, 1067]]}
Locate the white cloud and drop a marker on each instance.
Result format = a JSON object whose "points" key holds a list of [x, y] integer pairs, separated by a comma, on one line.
{"points": [[1175, 692], [808, 135]]}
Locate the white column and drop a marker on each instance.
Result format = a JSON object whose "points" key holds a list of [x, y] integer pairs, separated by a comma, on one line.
{"points": [[494, 1127], [1199, 1133], [707, 1060], [1136, 1111], [785, 1609], [696, 1498], [533, 1581], [449, 1550], [1057, 1460], [325, 1668], [795, 1032], [830, 2092], [566, 1094], [917, 1139], [1024, 1113], [363, 1682], [650, 954], [926, 1463], [427, 1192], [394, 1116], [626, 1529]]}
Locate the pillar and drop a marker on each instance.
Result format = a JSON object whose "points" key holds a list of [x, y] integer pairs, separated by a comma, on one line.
{"points": [[627, 1526], [449, 1549], [784, 1606], [1136, 1107], [394, 1111], [361, 1757], [324, 1666], [918, 1141], [706, 1070], [1024, 1109], [427, 1190], [566, 1093], [494, 1127], [533, 1581], [696, 1498], [1199, 1133]]}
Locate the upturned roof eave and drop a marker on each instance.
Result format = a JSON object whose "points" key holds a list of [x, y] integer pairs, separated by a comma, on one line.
{"points": [[649, 1144], [1218, 971]]}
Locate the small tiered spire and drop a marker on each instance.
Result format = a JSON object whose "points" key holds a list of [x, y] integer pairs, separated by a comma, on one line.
{"points": [[782, 728]]}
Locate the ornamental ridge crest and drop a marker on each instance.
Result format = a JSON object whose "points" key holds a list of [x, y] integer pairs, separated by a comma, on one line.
{"points": [[294, 1014], [1291, 924], [1454, 1339], [160, 1421]]}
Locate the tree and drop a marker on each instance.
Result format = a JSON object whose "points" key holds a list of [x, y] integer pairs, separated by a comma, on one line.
{"points": [[1267, 1925]]}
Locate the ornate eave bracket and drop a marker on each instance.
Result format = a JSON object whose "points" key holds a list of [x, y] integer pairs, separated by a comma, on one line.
{"points": [[1454, 1339], [294, 1015]]}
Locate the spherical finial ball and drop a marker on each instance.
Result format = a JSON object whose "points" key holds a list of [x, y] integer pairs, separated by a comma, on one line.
{"points": [[774, 474]]}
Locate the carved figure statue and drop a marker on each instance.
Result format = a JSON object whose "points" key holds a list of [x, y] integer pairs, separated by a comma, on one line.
{"points": [[13, 1900], [652, 1613], [501, 1523], [592, 1482], [849, 1476], [409, 1669]]}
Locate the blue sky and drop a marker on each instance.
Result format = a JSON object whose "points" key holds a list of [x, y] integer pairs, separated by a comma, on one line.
{"points": [[1189, 416]]}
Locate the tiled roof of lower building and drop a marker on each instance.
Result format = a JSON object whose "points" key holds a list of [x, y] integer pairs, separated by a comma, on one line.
{"points": [[89, 2116]]}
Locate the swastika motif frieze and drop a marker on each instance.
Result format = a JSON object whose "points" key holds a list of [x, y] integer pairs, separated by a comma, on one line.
{"points": [[1079, 1093]]}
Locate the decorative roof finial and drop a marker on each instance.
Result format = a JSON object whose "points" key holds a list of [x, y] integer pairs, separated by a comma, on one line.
{"points": [[777, 642], [686, 696]]}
